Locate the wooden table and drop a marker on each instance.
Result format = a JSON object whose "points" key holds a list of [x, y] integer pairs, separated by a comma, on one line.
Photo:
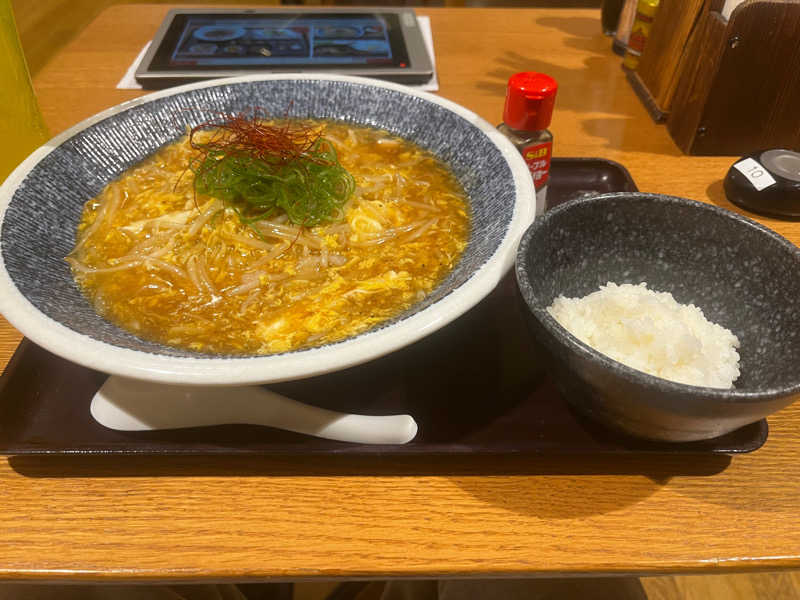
{"points": [[178, 519]]}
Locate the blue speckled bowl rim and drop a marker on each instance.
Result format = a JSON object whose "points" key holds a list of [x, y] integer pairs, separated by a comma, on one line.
{"points": [[689, 392], [228, 370]]}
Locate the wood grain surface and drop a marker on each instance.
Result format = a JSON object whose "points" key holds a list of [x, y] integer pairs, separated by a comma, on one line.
{"points": [[760, 38], [659, 67], [185, 518]]}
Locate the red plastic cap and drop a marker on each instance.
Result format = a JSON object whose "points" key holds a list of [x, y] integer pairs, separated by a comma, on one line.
{"points": [[529, 101]]}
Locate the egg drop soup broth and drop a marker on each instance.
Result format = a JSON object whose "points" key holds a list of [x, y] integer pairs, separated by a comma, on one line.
{"points": [[182, 269]]}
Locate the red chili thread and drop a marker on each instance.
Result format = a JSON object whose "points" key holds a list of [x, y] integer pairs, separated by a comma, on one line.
{"points": [[248, 133]]}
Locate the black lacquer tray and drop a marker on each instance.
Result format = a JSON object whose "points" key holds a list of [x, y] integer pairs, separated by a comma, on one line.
{"points": [[476, 386]]}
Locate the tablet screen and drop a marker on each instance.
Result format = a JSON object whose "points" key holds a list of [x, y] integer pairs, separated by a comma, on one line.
{"points": [[256, 41]]}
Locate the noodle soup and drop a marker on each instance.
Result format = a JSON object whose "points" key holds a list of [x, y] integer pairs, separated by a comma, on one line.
{"points": [[186, 269]]}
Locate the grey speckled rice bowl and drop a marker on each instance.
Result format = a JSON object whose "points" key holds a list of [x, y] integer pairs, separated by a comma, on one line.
{"points": [[742, 275], [41, 202]]}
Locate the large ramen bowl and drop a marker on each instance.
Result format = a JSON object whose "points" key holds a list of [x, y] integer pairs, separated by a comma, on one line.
{"points": [[41, 203], [740, 274]]}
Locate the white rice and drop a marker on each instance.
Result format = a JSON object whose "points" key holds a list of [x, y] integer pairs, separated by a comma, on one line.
{"points": [[651, 332]]}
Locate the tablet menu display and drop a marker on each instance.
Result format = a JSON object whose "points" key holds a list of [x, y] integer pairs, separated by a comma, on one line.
{"points": [[256, 41]]}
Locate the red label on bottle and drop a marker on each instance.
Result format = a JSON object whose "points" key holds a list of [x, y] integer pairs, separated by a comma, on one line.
{"points": [[538, 158]]}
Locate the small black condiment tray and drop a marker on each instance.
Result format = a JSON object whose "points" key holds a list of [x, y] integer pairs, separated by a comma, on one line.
{"points": [[474, 387]]}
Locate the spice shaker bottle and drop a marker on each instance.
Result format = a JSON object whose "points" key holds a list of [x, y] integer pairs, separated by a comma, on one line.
{"points": [[529, 105], [645, 15], [624, 26], [610, 12]]}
